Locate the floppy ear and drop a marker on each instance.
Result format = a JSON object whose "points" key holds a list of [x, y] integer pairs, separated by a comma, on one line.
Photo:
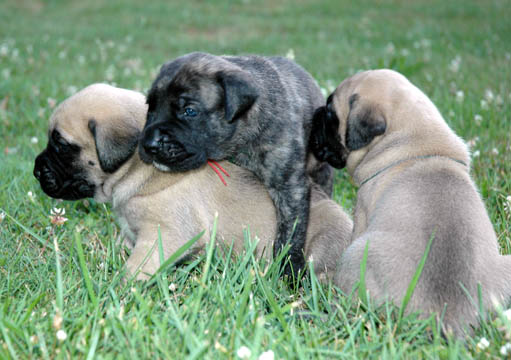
{"points": [[239, 93], [365, 122], [114, 145]]}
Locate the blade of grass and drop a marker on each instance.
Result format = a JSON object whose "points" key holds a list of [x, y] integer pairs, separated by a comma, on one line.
{"points": [[60, 291], [31, 307], [85, 271], [174, 257], [7, 341], [415, 280], [43, 242], [313, 283], [244, 300], [271, 299], [362, 289]]}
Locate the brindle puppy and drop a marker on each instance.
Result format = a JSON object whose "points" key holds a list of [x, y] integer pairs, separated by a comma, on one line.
{"points": [[91, 153], [255, 111]]}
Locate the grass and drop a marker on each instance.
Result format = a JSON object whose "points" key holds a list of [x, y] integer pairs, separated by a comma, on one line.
{"points": [[68, 277]]}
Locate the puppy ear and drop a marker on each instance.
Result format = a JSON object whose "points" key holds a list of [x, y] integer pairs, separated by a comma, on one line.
{"points": [[114, 145], [239, 93], [324, 140], [365, 122]]}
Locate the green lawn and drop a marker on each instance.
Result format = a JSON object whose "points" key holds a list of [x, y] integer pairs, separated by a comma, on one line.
{"points": [[458, 52]]}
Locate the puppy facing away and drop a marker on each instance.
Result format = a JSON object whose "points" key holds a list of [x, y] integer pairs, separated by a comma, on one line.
{"points": [[254, 111], [91, 152], [414, 185]]}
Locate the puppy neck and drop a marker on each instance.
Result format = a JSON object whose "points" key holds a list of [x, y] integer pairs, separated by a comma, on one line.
{"points": [[400, 146]]}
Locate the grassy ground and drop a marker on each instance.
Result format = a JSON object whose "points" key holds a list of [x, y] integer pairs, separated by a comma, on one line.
{"points": [[457, 51]]}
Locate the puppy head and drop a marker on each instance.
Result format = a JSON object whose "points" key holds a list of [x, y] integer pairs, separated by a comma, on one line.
{"points": [[355, 117], [382, 106], [195, 105], [91, 134]]}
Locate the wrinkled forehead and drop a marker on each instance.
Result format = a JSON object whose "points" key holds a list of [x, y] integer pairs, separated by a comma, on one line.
{"points": [[189, 85], [71, 117]]}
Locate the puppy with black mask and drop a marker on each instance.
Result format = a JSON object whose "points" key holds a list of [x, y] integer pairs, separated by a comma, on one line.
{"points": [[415, 191], [91, 152], [254, 111]]}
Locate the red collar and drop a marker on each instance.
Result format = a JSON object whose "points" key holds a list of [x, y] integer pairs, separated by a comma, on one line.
{"points": [[213, 162]]}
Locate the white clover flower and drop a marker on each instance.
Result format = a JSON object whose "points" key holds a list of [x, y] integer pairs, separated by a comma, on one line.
{"points": [[243, 352], [507, 313], [172, 287], [484, 104], [4, 50], [405, 52], [455, 64], [390, 48], [51, 102], [2, 216], [110, 73], [426, 43], [495, 151], [61, 335], [488, 95], [290, 54], [71, 90], [267, 355], [57, 321], [483, 344], [31, 196], [6, 73], [499, 100], [34, 140], [476, 153], [57, 216], [472, 142], [220, 347], [460, 95], [505, 349], [478, 119]]}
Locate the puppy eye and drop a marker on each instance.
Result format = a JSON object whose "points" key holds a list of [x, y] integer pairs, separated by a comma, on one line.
{"points": [[190, 112], [58, 139]]}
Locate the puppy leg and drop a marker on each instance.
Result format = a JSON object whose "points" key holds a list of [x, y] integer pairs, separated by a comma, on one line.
{"points": [[291, 196], [143, 261]]}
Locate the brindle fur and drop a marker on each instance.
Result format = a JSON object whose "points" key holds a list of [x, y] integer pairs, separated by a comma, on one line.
{"points": [[253, 110]]}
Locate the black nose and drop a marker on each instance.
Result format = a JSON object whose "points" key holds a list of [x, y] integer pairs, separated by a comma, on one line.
{"points": [[151, 146], [154, 143]]}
